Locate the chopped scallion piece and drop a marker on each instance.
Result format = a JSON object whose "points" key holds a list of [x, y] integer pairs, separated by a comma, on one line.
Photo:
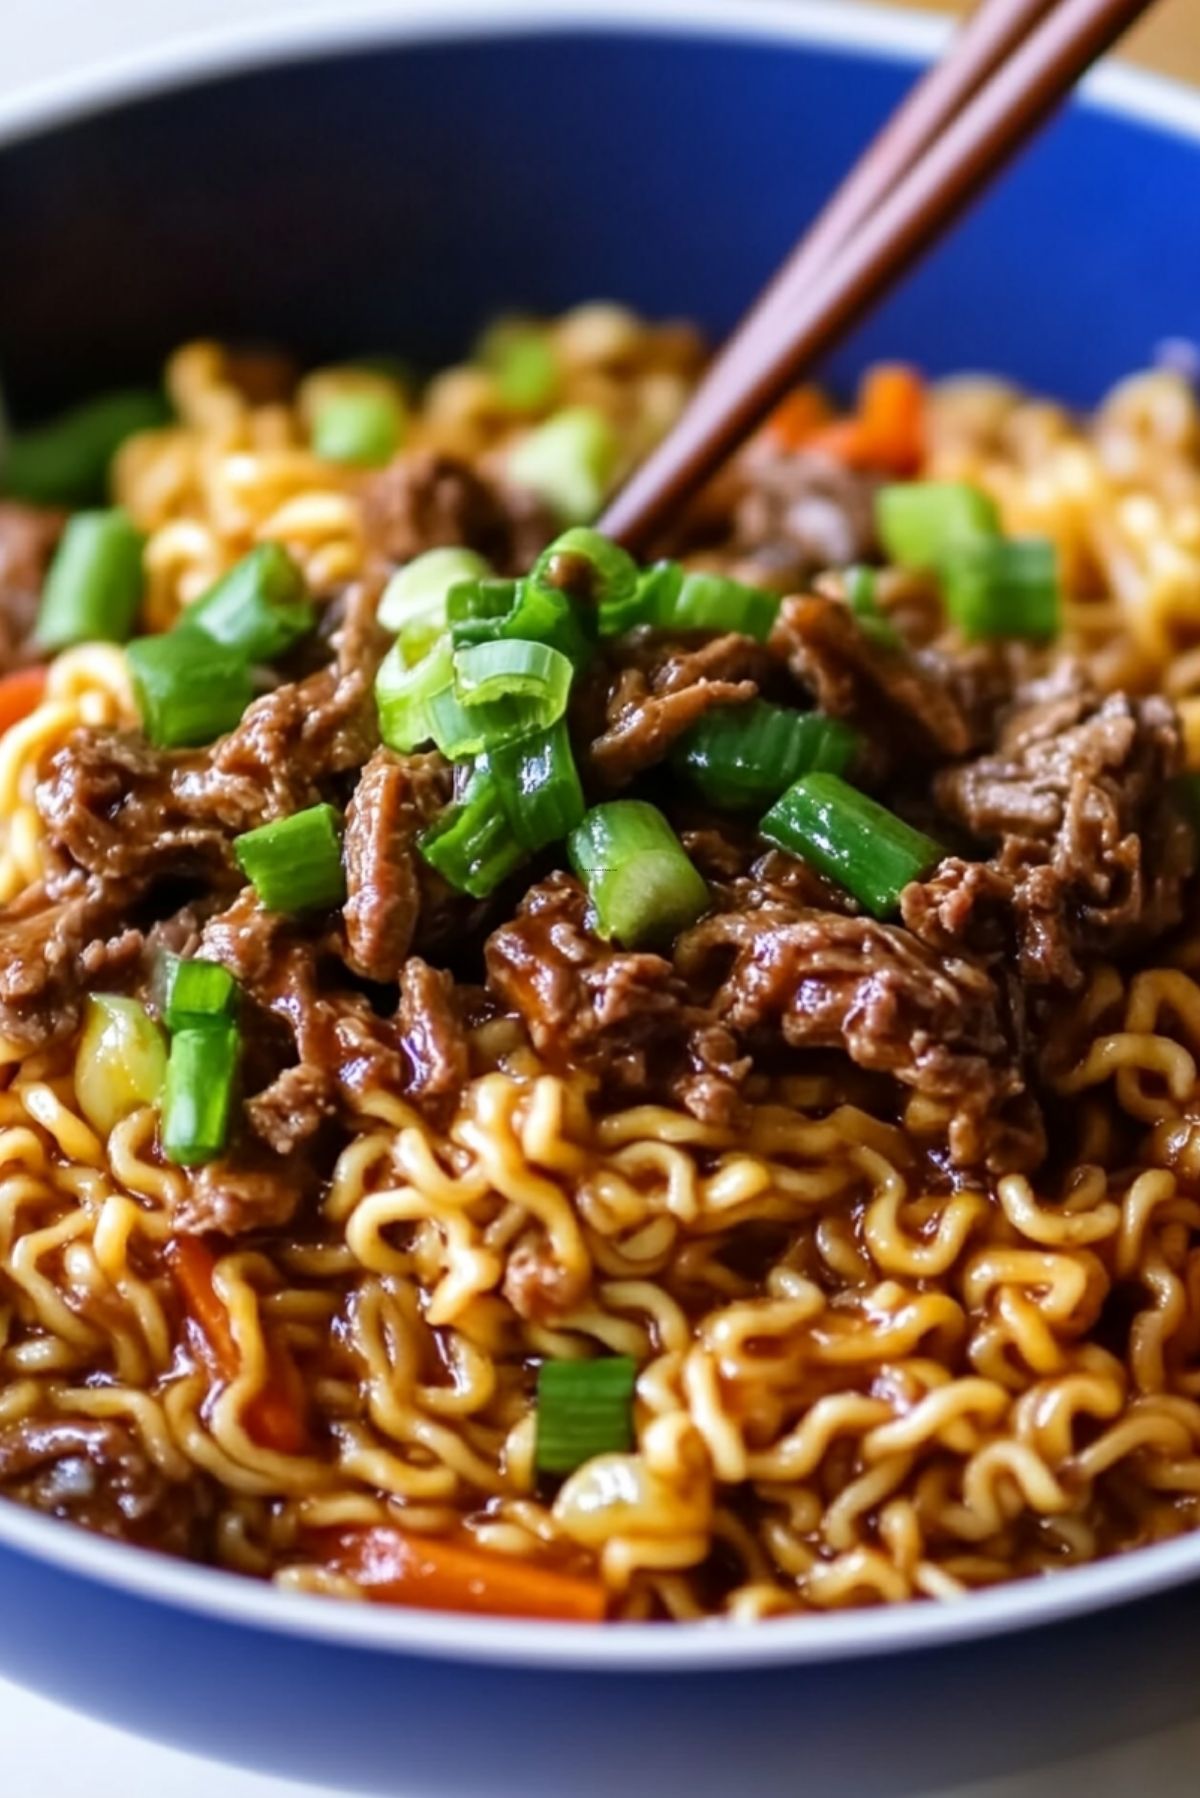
{"points": [[195, 993], [417, 593], [917, 521], [94, 585], [484, 611], [641, 884], [584, 1409], [295, 864], [363, 426], [998, 587], [673, 598], [514, 668], [569, 462], [850, 839], [596, 572], [473, 845], [522, 362], [64, 462], [861, 596], [538, 784], [121, 1061], [740, 758], [260, 608], [188, 690], [404, 694], [198, 1093]]}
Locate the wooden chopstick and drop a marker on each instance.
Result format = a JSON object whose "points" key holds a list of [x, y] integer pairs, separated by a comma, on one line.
{"points": [[990, 34], [765, 358]]}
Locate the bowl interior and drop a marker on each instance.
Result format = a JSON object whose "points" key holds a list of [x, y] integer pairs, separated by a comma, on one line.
{"points": [[393, 197]]}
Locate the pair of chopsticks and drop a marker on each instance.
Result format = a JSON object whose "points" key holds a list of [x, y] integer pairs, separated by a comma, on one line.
{"points": [[1006, 71]]}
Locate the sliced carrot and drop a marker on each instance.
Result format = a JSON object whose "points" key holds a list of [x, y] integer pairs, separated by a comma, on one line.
{"points": [[795, 419], [274, 1417], [439, 1575], [892, 410], [20, 692]]}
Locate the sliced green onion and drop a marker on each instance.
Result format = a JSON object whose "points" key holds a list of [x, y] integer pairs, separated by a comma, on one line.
{"points": [[198, 1094], [484, 611], [740, 758], [584, 1409], [295, 864], [196, 993], [998, 587], [94, 585], [473, 845], [260, 608], [538, 785], [641, 884], [64, 462], [417, 593], [569, 462], [861, 586], [404, 694], [522, 362], [189, 691], [917, 521], [677, 599], [593, 570], [363, 426], [121, 1061], [850, 839], [513, 668]]}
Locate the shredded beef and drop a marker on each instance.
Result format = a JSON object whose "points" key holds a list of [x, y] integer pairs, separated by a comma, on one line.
{"points": [[431, 500], [1089, 854], [389, 886], [230, 1199], [51, 951], [799, 514], [292, 1109], [28, 535], [659, 690], [93, 1471], [819, 981], [431, 1032], [884, 688]]}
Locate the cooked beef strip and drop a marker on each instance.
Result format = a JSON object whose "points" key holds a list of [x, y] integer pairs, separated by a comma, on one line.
{"points": [[431, 1032], [430, 500], [28, 536], [902, 704], [50, 951], [389, 886], [1090, 855], [821, 981], [797, 514], [93, 1471], [232, 1198], [657, 691]]}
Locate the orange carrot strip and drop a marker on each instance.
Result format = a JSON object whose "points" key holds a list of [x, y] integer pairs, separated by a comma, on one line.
{"points": [[892, 410], [274, 1417], [437, 1575], [795, 419], [20, 692]]}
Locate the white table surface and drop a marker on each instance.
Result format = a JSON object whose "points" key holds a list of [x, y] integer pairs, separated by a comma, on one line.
{"points": [[54, 1753]]}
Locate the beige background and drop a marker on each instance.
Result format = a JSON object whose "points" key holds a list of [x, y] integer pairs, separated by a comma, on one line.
{"points": [[1169, 39]]}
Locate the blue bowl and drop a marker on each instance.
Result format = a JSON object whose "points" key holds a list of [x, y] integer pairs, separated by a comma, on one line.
{"points": [[350, 186]]}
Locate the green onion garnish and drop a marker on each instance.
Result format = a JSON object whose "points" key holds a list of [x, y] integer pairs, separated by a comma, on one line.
{"points": [[641, 884], [537, 783], [473, 845], [121, 1061], [484, 611], [522, 362], [917, 521], [196, 993], [861, 588], [850, 839], [94, 585], [998, 587], [198, 1094], [64, 462], [513, 668], [672, 598], [404, 694], [260, 608], [584, 1408], [362, 426], [188, 690], [295, 864], [740, 758], [595, 571], [416, 594], [569, 462]]}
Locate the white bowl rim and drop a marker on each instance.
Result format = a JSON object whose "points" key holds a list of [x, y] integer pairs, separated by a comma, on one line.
{"points": [[849, 25]]}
